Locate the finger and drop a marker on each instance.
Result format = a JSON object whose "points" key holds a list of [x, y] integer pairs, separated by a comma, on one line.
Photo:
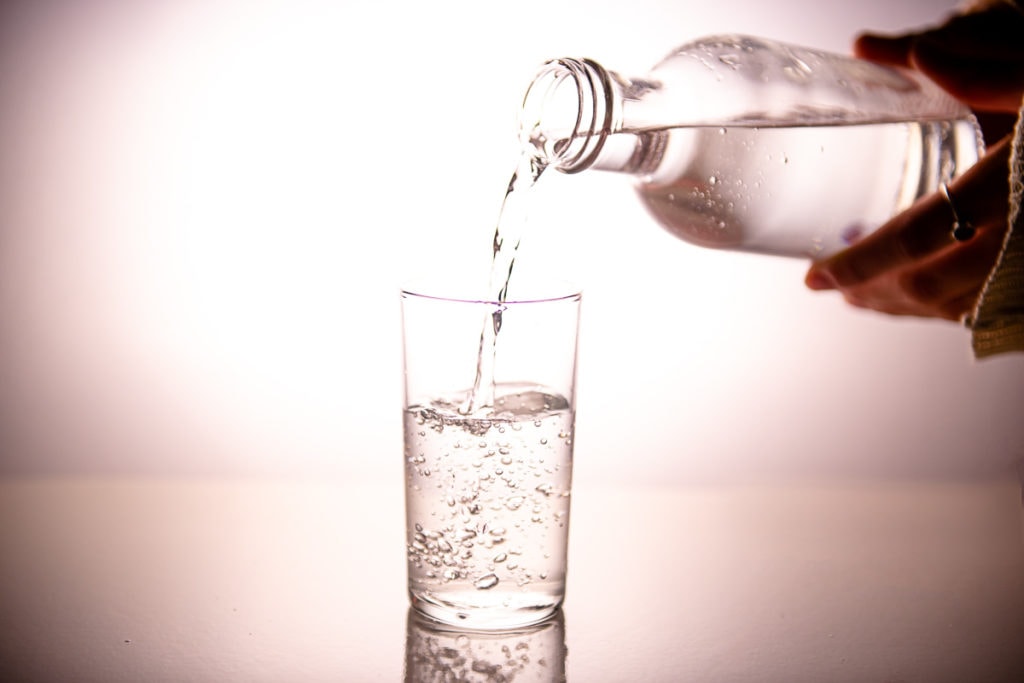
{"points": [[981, 81], [894, 50], [948, 285], [912, 235], [994, 32], [977, 55], [959, 309], [943, 287], [924, 228]]}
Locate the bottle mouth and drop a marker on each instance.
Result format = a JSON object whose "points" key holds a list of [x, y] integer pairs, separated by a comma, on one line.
{"points": [[567, 113]]}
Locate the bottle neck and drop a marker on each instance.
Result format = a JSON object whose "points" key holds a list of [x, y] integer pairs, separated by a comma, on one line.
{"points": [[568, 112]]}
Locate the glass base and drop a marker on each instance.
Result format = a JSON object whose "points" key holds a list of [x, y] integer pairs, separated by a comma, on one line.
{"points": [[518, 611]]}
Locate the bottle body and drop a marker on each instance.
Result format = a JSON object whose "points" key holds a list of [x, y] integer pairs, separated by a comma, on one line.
{"points": [[805, 191], [746, 144]]}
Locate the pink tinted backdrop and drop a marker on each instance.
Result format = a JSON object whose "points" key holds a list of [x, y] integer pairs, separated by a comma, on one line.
{"points": [[206, 210]]}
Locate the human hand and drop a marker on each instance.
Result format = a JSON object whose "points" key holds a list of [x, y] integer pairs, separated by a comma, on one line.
{"points": [[912, 265], [978, 57]]}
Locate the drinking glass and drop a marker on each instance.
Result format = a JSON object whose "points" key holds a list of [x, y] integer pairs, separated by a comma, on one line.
{"points": [[488, 418]]}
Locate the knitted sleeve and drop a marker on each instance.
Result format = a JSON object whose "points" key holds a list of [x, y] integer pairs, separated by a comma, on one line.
{"points": [[997, 325]]}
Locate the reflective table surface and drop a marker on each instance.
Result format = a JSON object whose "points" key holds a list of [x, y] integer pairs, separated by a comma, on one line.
{"points": [[245, 580]]}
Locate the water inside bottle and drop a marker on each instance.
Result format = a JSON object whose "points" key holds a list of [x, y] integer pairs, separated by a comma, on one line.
{"points": [[802, 191]]}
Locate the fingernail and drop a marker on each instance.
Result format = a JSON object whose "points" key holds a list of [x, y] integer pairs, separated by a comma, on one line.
{"points": [[817, 280]]}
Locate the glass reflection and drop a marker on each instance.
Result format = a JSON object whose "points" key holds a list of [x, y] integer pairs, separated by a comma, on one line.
{"points": [[441, 653]]}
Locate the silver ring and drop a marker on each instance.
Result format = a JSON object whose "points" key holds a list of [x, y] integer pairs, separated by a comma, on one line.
{"points": [[961, 230]]}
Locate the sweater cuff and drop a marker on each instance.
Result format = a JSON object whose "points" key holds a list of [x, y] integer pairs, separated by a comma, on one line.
{"points": [[997, 325]]}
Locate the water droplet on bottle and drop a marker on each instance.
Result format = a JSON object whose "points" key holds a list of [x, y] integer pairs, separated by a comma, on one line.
{"points": [[486, 582], [514, 502], [731, 61]]}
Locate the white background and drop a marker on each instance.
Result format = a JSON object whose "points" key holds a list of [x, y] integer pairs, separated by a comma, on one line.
{"points": [[207, 208]]}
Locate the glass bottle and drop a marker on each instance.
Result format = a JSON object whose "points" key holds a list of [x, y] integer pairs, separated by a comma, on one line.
{"points": [[743, 143]]}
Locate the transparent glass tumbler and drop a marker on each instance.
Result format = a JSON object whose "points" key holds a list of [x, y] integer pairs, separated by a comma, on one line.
{"points": [[488, 422]]}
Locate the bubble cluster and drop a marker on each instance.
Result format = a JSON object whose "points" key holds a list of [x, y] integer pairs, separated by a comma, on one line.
{"points": [[488, 499]]}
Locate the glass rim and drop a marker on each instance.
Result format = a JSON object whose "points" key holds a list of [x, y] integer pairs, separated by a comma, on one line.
{"points": [[441, 289]]}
